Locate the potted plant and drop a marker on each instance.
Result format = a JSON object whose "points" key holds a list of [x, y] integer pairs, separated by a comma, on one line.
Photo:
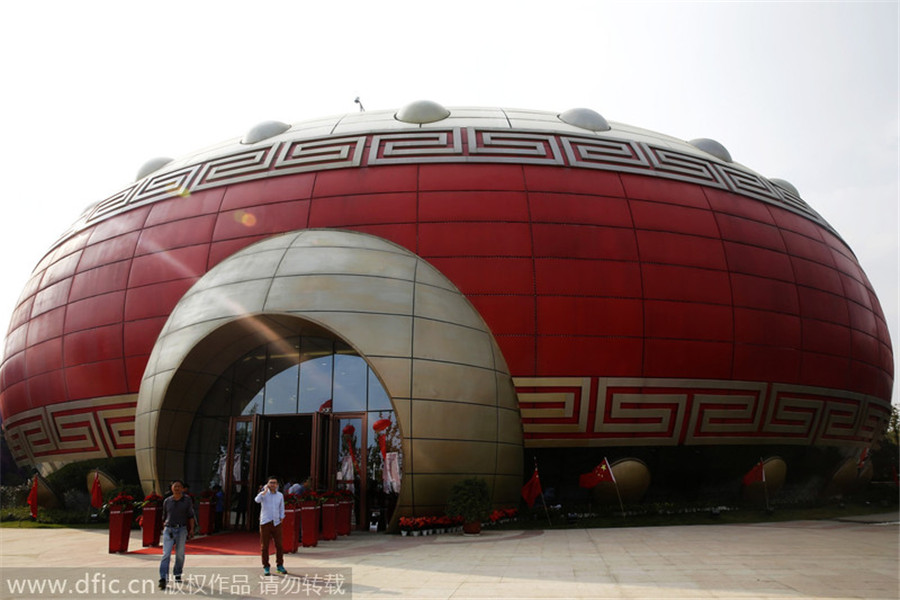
{"points": [[406, 525], [290, 527], [207, 514], [151, 519], [329, 515], [471, 500], [121, 515], [309, 518]]}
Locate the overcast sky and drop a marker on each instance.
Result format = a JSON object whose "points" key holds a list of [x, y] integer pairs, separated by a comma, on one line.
{"points": [[806, 92]]}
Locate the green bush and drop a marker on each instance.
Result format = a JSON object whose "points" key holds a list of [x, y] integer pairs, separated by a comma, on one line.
{"points": [[469, 499]]}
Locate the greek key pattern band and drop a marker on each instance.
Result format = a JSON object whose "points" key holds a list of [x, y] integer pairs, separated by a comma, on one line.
{"points": [[454, 144], [97, 428], [558, 412]]}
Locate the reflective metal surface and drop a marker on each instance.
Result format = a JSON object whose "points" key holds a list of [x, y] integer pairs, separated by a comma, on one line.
{"points": [[453, 395]]}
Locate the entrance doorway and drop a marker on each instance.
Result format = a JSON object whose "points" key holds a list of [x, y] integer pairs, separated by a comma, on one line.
{"points": [[294, 408], [290, 447]]}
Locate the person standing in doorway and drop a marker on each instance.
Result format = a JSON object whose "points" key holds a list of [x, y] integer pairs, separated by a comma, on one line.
{"points": [[178, 527], [271, 515]]}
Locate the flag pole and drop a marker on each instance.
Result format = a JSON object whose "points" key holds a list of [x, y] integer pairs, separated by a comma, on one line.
{"points": [[543, 500], [621, 506], [615, 483]]}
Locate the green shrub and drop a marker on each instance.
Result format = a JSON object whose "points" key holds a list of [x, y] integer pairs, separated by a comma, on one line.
{"points": [[469, 499]]}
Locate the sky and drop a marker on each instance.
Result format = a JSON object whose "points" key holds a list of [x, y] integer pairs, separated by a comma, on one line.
{"points": [[802, 91]]}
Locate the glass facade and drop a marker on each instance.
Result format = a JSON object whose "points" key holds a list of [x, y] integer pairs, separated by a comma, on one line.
{"points": [[281, 385]]}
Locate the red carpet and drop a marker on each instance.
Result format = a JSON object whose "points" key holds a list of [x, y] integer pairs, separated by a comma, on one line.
{"points": [[233, 542]]}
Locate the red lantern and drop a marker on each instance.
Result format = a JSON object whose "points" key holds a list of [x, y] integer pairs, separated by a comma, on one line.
{"points": [[380, 426]]}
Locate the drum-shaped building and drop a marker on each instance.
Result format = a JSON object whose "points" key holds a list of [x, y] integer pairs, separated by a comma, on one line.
{"points": [[390, 301]]}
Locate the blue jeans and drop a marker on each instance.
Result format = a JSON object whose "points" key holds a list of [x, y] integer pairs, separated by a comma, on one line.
{"points": [[172, 536]]}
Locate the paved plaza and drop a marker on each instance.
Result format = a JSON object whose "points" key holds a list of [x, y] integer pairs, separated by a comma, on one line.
{"points": [[790, 560]]}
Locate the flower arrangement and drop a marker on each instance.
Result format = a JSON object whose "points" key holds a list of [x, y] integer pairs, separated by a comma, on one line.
{"points": [[406, 524], [428, 525], [291, 500], [207, 495], [122, 502], [330, 496], [151, 500], [309, 496], [502, 515], [344, 495]]}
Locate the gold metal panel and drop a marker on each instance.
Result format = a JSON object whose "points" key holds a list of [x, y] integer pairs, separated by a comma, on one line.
{"points": [[509, 426], [144, 464], [394, 374], [509, 459], [453, 421], [235, 269], [453, 456], [426, 274], [338, 260], [452, 343], [371, 334], [144, 432], [506, 391], [233, 300], [499, 360], [446, 305], [432, 489], [403, 416], [173, 345], [449, 381], [300, 293]]}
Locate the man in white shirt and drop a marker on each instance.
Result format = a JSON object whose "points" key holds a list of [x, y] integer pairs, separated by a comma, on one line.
{"points": [[271, 515]]}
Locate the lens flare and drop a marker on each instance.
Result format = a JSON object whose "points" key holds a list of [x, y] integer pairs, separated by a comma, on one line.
{"points": [[178, 190], [245, 218]]}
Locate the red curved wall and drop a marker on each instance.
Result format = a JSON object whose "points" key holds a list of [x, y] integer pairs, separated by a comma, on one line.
{"points": [[578, 273]]}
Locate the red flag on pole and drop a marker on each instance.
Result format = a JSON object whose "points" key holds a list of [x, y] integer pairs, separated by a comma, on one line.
{"points": [[32, 497], [96, 492], [532, 489], [861, 463], [602, 472], [756, 474]]}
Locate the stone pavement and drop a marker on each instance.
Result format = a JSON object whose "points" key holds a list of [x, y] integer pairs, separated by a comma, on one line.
{"points": [[855, 558]]}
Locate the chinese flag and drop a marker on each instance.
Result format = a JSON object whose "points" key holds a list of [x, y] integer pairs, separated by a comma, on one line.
{"points": [[602, 472], [532, 489], [96, 492], [755, 474], [32, 498], [861, 463]]}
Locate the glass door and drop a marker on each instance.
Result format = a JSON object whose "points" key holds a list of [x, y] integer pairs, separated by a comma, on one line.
{"points": [[238, 475], [350, 462]]}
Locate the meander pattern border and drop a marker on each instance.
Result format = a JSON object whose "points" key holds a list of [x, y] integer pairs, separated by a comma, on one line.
{"points": [[556, 412], [451, 145]]}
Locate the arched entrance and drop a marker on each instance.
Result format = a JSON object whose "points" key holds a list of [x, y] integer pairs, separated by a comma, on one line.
{"points": [[304, 406], [454, 402]]}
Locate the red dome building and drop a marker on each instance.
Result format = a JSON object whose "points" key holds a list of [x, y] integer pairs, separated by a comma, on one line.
{"points": [[499, 284]]}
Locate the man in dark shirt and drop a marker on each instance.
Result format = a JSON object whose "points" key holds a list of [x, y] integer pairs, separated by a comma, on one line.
{"points": [[178, 527]]}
